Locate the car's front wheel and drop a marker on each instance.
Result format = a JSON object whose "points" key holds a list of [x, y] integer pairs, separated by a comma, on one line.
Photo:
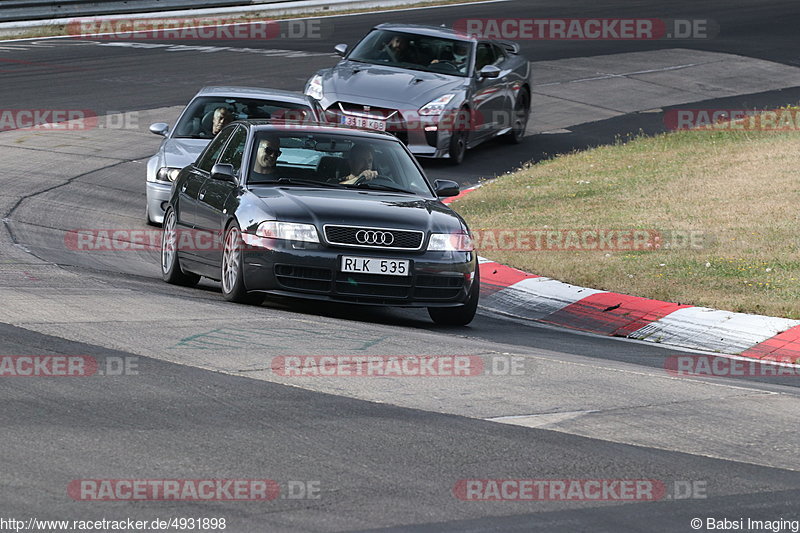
{"points": [[459, 137], [463, 314], [233, 287], [522, 111], [170, 263]]}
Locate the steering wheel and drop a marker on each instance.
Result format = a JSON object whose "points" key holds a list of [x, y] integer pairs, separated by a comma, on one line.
{"points": [[449, 65], [377, 179]]}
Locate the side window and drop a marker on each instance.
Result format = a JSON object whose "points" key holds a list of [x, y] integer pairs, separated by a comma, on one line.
{"points": [[235, 150], [212, 151], [500, 55], [484, 56]]}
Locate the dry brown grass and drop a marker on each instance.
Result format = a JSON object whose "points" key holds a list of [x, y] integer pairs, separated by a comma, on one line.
{"points": [[739, 190]]}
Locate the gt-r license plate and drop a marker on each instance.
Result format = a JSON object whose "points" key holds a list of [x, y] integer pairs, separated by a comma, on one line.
{"points": [[361, 122], [372, 265]]}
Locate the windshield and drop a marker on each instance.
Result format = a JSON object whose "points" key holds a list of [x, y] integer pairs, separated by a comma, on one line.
{"points": [[207, 115], [337, 160], [418, 52]]}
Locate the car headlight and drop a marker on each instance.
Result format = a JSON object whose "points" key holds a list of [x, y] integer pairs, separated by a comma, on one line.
{"points": [[450, 242], [436, 107], [290, 231], [314, 87], [167, 174]]}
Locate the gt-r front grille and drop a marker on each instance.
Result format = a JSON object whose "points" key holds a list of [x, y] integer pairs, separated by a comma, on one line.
{"points": [[395, 123], [364, 237], [365, 111]]}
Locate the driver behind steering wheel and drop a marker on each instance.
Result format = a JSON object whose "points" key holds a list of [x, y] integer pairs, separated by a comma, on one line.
{"points": [[458, 56], [361, 158]]}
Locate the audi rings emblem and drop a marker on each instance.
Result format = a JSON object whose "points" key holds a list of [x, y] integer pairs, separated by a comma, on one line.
{"points": [[380, 238]]}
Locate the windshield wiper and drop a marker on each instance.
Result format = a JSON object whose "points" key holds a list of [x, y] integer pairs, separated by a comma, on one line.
{"points": [[302, 181], [380, 187]]}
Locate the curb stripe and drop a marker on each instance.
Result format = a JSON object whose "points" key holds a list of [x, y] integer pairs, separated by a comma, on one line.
{"points": [[713, 330], [496, 277], [535, 298], [611, 313], [784, 347]]}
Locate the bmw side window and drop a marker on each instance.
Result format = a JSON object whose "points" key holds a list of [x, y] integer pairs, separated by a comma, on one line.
{"points": [[212, 151], [235, 149]]}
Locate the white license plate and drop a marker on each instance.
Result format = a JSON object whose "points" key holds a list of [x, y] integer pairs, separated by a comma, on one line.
{"points": [[361, 122], [372, 265]]}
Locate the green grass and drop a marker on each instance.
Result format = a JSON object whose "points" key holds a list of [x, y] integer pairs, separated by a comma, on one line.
{"points": [[738, 191]]}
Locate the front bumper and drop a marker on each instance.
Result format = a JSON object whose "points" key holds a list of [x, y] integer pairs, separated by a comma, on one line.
{"points": [[425, 136], [438, 279], [158, 194]]}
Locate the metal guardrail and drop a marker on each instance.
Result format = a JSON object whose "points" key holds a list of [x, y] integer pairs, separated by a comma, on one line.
{"points": [[19, 10]]}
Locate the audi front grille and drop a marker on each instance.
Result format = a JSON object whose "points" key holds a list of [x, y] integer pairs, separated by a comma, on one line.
{"points": [[380, 238]]}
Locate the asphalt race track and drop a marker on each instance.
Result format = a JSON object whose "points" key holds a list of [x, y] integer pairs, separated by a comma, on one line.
{"points": [[200, 399]]}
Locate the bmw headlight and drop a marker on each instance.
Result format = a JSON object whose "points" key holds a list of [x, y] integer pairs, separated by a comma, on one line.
{"points": [[167, 174], [289, 231], [314, 87], [450, 242], [436, 107]]}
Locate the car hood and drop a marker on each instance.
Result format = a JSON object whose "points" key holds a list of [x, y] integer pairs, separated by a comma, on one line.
{"points": [[357, 208], [381, 85], [178, 153]]}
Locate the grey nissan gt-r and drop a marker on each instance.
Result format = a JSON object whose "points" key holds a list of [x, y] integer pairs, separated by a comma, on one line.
{"points": [[439, 91], [319, 211]]}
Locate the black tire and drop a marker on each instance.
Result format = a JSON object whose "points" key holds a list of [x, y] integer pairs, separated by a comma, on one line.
{"points": [[232, 273], [459, 137], [522, 112], [171, 270], [463, 314]]}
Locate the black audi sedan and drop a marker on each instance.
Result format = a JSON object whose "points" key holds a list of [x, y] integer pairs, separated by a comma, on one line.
{"points": [[319, 211]]}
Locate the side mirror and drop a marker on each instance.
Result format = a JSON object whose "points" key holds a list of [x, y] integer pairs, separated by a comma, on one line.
{"points": [[445, 188], [223, 172], [341, 49], [160, 128], [490, 71]]}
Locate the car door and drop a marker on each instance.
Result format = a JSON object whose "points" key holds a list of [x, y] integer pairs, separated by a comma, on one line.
{"points": [[212, 197], [197, 174], [505, 80], [489, 97]]}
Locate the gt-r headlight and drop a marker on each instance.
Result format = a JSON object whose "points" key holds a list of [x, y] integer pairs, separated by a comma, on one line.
{"points": [[314, 88], [436, 107], [450, 242], [167, 174], [290, 231]]}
